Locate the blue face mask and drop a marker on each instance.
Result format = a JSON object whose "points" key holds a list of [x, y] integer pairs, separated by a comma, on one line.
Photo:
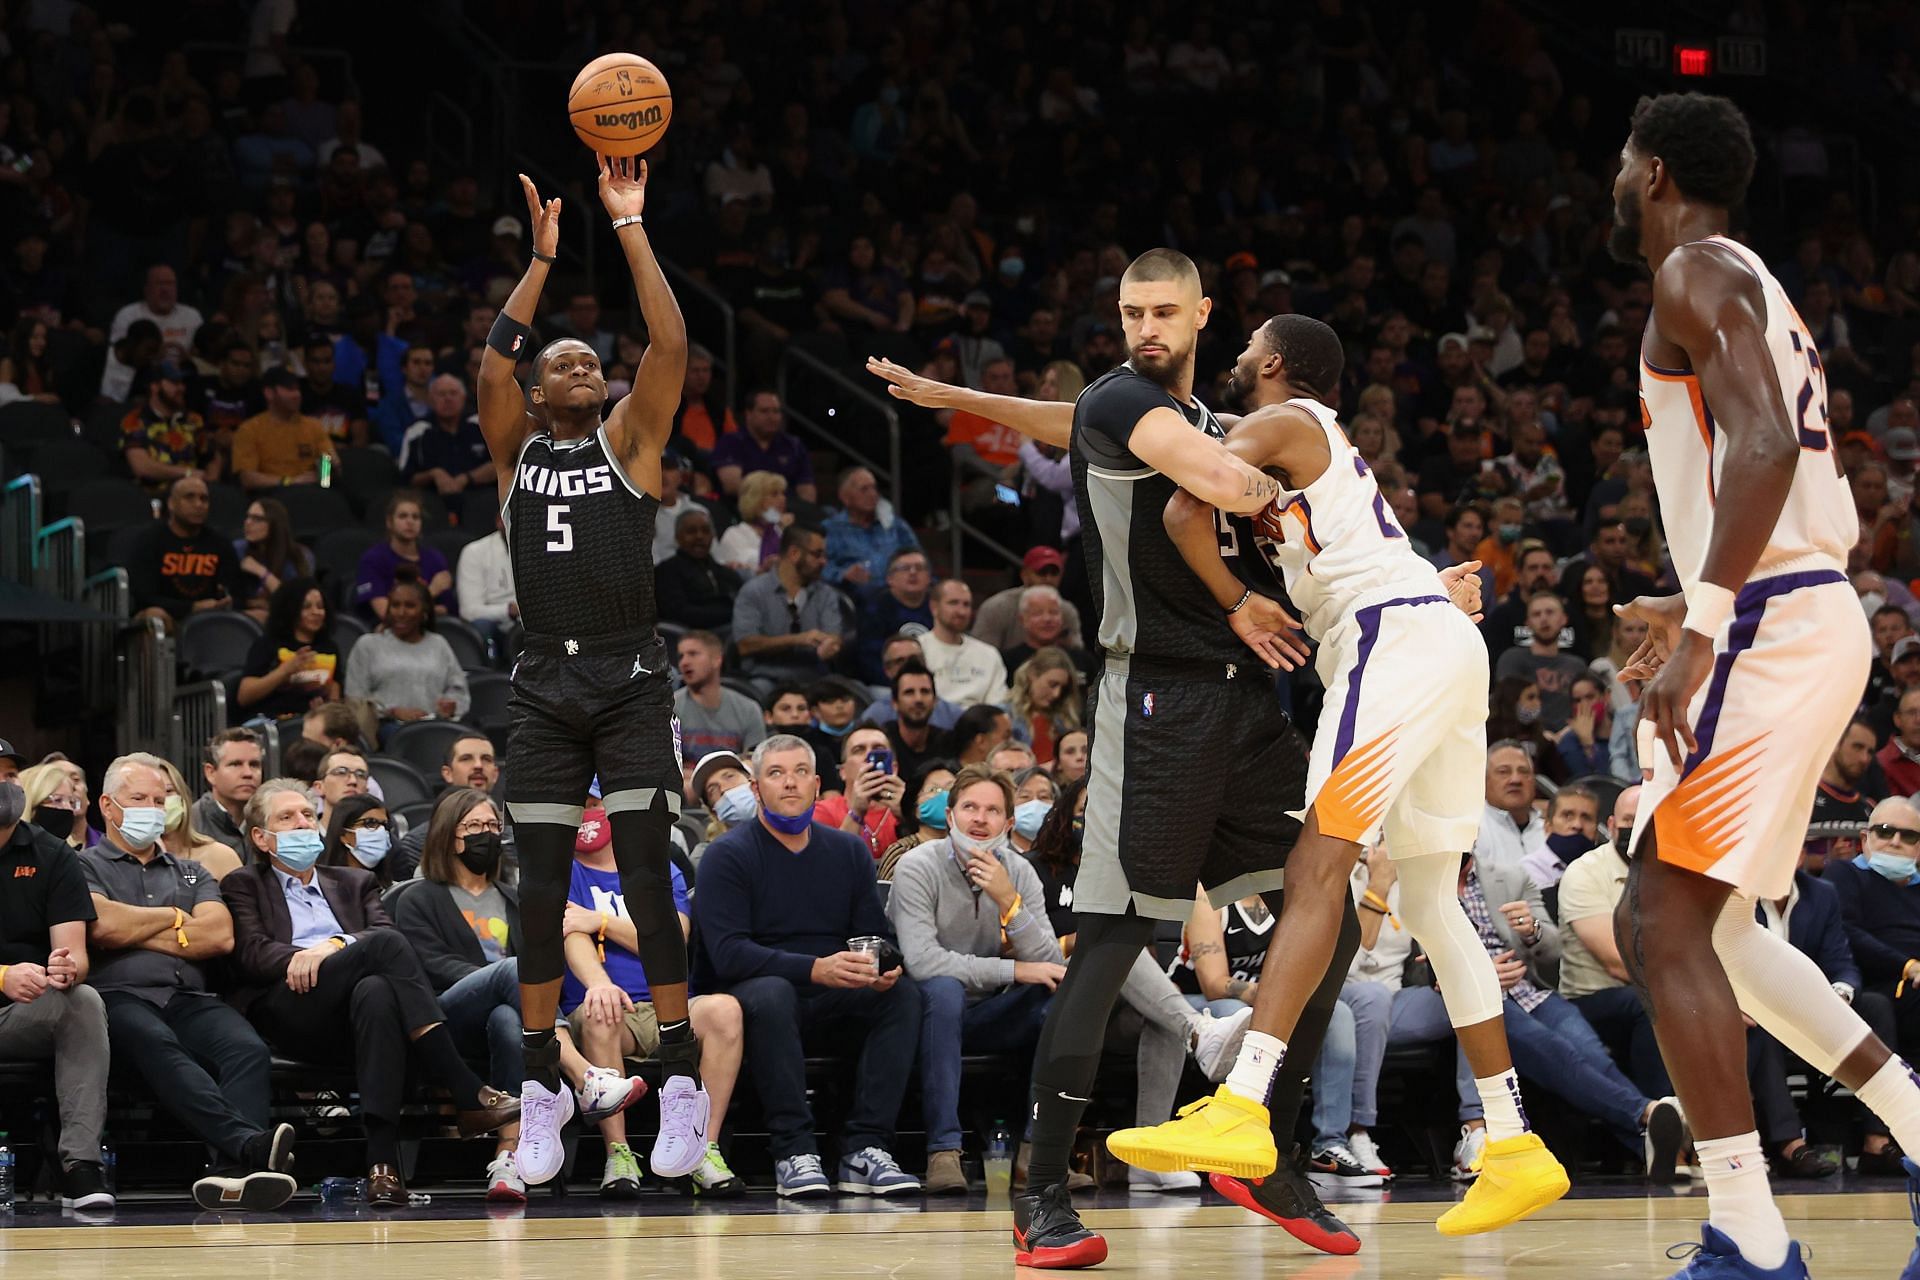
{"points": [[832, 732], [1892, 866], [141, 827], [1027, 818], [933, 811], [298, 849], [370, 848], [796, 825], [1013, 268], [738, 805]]}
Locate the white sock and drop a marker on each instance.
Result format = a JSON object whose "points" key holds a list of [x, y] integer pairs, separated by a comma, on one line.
{"points": [[1893, 1094], [1253, 1071], [1739, 1202], [1500, 1096]]}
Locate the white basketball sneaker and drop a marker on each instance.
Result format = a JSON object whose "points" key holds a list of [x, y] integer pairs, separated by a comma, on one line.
{"points": [[682, 1144], [543, 1116]]}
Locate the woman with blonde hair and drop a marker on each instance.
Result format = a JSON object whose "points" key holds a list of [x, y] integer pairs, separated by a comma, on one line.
{"points": [[750, 545], [54, 803], [184, 840], [1046, 702]]}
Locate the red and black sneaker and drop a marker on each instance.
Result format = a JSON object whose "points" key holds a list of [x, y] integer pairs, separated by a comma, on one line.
{"points": [[1047, 1233], [1286, 1196]]}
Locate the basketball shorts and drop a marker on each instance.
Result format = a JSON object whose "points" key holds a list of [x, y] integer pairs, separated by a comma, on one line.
{"points": [[603, 711], [1193, 771], [1787, 671], [1401, 749]]}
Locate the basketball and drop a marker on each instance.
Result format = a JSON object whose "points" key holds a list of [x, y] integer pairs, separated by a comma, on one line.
{"points": [[620, 104]]}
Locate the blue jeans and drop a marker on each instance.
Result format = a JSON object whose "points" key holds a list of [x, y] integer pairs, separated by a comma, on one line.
{"points": [[1557, 1049], [1335, 1070], [1223, 1008], [1419, 1016], [483, 1017], [1621, 1021], [779, 1018], [1008, 1021]]}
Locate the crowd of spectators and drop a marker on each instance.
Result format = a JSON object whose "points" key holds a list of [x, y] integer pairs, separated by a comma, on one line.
{"points": [[292, 292]]}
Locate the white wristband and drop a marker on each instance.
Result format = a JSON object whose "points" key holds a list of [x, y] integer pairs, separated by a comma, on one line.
{"points": [[632, 219], [1708, 605]]}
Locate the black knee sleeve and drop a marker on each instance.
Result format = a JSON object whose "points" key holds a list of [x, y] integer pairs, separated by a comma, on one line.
{"points": [[641, 847], [546, 869]]}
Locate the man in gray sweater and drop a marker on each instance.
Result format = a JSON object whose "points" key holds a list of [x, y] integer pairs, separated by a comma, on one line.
{"points": [[972, 922]]}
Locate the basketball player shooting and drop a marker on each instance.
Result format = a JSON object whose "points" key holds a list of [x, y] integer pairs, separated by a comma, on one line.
{"points": [[590, 690], [1401, 745], [1759, 522]]}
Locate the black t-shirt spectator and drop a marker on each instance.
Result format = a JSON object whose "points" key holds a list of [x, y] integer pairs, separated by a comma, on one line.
{"points": [[167, 571], [295, 696], [337, 407], [454, 452], [907, 759], [1059, 886], [45, 887], [223, 407], [786, 298], [696, 593]]}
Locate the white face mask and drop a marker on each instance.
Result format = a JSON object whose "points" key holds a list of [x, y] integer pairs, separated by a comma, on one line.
{"points": [[1872, 601], [370, 848]]}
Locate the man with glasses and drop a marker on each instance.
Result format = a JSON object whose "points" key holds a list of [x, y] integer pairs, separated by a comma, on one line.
{"points": [[1880, 902], [342, 774], [788, 624], [902, 601], [997, 620]]}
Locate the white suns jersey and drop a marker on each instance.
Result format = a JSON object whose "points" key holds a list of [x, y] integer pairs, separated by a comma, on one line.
{"points": [[1338, 539], [1818, 524]]}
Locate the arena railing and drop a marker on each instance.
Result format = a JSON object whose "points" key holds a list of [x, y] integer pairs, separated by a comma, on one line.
{"points": [[110, 593], [60, 559], [156, 713], [727, 359], [441, 107], [801, 368], [19, 522], [960, 529]]}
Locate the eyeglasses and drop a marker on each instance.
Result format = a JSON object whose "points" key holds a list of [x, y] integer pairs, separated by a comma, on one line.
{"points": [[1887, 831], [341, 771], [370, 824], [476, 828]]}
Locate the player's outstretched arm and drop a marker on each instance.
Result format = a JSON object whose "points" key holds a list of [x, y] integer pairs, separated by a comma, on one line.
{"points": [[1198, 463], [504, 420], [1711, 305], [640, 423], [1047, 421]]}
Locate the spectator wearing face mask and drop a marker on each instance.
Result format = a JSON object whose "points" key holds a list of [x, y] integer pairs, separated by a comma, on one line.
{"points": [[1573, 824], [1880, 903], [360, 834], [1593, 978], [724, 784], [986, 976], [923, 811], [1034, 794]]}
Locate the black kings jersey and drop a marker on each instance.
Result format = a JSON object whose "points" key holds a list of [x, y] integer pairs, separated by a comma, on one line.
{"points": [[1148, 601], [580, 536]]}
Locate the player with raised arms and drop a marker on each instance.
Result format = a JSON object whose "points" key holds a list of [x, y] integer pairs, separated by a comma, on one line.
{"points": [[1753, 672], [590, 688]]}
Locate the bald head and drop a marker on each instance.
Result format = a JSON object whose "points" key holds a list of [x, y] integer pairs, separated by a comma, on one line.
{"points": [[1893, 832], [1897, 811]]}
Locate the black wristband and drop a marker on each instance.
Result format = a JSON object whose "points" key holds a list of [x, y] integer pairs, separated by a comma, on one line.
{"points": [[547, 258], [509, 337]]}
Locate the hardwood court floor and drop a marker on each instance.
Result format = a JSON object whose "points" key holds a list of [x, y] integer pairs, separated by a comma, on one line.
{"points": [[1855, 1236]]}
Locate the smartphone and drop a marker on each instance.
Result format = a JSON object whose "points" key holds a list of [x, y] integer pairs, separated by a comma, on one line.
{"points": [[880, 758], [1006, 494]]}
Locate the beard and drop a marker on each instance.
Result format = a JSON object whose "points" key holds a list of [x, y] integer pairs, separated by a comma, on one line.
{"points": [[1163, 369], [1623, 242], [1240, 387]]}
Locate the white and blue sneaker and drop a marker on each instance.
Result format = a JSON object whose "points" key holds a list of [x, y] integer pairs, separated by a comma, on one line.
{"points": [[1718, 1258], [872, 1171], [800, 1175]]}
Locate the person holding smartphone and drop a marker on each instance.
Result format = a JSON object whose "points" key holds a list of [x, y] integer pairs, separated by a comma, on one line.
{"points": [[869, 807]]}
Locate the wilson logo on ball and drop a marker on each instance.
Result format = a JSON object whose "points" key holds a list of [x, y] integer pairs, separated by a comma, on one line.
{"points": [[643, 118]]}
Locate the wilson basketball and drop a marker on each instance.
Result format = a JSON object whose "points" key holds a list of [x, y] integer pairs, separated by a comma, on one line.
{"points": [[620, 104]]}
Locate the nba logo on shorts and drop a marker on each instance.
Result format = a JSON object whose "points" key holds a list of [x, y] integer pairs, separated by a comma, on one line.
{"points": [[1146, 704]]}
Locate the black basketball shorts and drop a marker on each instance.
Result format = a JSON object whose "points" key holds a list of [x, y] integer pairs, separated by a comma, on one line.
{"points": [[578, 715], [1194, 771]]}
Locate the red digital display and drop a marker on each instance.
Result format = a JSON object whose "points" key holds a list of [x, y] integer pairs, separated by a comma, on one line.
{"points": [[1692, 60]]}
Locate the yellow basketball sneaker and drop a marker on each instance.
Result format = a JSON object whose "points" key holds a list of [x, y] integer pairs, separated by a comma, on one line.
{"points": [[1518, 1176], [1224, 1133]]}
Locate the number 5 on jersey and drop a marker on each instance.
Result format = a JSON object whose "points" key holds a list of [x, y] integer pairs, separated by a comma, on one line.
{"points": [[558, 526]]}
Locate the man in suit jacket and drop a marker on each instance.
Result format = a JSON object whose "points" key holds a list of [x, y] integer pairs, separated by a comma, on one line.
{"points": [[321, 966], [1809, 917]]}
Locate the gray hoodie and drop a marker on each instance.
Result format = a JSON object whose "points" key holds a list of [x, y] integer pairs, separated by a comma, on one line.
{"points": [[946, 930]]}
